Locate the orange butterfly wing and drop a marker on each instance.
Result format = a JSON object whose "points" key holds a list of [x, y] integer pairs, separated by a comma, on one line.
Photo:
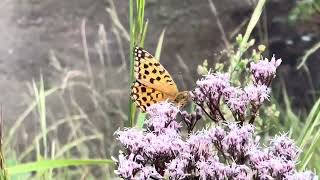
{"points": [[153, 82], [151, 73], [144, 96]]}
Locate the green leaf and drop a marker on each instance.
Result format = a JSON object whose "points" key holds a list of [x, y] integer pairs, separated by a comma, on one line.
{"points": [[48, 164], [141, 119]]}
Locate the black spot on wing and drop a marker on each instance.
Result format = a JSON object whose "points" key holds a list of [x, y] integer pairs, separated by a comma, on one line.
{"points": [[159, 95], [143, 108], [154, 71], [138, 102]]}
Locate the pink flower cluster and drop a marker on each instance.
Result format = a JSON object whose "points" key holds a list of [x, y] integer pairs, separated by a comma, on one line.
{"points": [[277, 160], [215, 89], [264, 71], [227, 150]]}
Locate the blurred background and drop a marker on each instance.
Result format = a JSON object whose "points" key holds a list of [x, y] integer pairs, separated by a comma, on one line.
{"points": [[75, 55]]}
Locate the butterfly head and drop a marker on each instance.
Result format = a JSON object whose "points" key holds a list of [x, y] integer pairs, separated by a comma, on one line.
{"points": [[182, 98]]}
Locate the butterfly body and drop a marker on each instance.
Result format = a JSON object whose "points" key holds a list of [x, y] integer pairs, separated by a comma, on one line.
{"points": [[153, 82]]}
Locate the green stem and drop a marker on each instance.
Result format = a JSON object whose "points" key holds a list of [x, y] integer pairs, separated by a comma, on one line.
{"points": [[131, 79]]}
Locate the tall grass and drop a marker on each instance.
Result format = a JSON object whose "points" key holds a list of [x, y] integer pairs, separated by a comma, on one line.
{"points": [[45, 163], [49, 154], [307, 54], [138, 30], [304, 10], [237, 62], [305, 129], [86, 142], [3, 170]]}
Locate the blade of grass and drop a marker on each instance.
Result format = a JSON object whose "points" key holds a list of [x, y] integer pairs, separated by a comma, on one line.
{"points": [[310, 151], [40, 99], [138, 29], [308, 140], [159, 45], [309, 129], [131, 77], [50, 164], [23, 116], [221, 29], [308, 53], [116, 22], [253, 22], [140, 119], [144, 33], [51, 128], [77, 142], [52, 157], [289, 114], [236, 60], [304, 165], [311, 121], [86, 51]]}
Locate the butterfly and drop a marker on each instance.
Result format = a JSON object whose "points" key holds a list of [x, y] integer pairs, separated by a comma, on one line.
{"points": [[153, 82]]}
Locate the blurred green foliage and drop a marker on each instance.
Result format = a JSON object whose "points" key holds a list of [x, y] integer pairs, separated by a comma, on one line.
{"points": [[304, 10]]}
